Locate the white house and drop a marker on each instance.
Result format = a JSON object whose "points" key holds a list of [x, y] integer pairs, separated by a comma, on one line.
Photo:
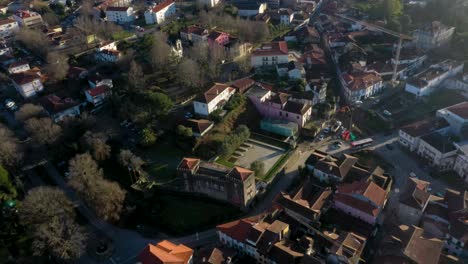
{"points": [[433, 36], [461, 162], [213, 99], [438, 150], [98, 95], [28, 19], [457, 117], [410, 135], [8, 26], [250, 8], [18, 66], [120, 14], [425, 82], [270, 54], [360, 85], [60, 108], [293, 69], [286, 16], [194, 34], [28, 83], [159, 13]]}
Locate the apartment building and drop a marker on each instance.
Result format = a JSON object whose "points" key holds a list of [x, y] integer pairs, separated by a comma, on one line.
{"points": [[160, 12], [120, 14], [215, 98], [28, 19], [434, 35], [270, 54]]}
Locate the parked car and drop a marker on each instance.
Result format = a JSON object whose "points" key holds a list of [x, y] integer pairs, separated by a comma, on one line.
{"points": [[10, 105], [326, 130], [387, 113], [321, 137]]}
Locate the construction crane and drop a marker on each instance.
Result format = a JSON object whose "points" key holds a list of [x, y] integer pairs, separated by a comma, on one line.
{"points": [[400, 37]]}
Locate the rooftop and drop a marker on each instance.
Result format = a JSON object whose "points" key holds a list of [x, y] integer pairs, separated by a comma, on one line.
{"points": [[165, 252], [54, 104], [162, 5], [213, 92], [460, 109], [439, 142], [271, 49], [424, 127]]}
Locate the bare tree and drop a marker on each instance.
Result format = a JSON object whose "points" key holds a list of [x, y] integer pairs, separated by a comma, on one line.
{"points": [[135, 77], [28, 111], [86, 178], [10, 151], [199, 52], [43, 130], [50, 216], [57, 66], [34, 41], [189, 73], [132, 162], [96, 143], [160, 51], [62, 238]]}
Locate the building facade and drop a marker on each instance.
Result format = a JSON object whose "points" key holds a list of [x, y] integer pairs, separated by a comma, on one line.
{"points": [[120, 14], [160, 12], [8, 27], [213, 99], [270, 54]]}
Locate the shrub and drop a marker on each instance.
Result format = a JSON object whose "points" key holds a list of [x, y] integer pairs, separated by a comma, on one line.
{"points": [[148, 137]]}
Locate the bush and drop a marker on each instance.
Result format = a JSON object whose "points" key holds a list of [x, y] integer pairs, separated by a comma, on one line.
{"points": [[184, 131], [148, 137], [233, 141], [215, 116], [236, 101], [258, 167]]}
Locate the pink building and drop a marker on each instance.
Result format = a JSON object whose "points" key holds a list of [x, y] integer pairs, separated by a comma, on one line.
{"points": [[280, 106], [220, 38], [364, 200]]}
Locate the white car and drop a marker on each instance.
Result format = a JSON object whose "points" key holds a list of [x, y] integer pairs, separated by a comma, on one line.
{"points": [[10, 105], [321, 137], [387, 113]]}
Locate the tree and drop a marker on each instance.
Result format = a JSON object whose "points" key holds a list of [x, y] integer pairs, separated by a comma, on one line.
{"points": [[96, 143], [132, 162], [10, 151], [160, 104], [86, 178], [44, 203], [189, 73], [258, 167], [392, 8], [184, 131], [50, 215], [57, 66], [160, 51], [43, 130], [34, 41], [243, 132], [135, 76], [148, 137], [28, 111], [8, 189]]}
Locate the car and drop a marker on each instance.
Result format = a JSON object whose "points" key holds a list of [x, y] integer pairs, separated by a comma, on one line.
{"points": [[358, 102], [321, 137], [387, 113], [389, 146], [10, 105], [338, 123], [326, 130]]}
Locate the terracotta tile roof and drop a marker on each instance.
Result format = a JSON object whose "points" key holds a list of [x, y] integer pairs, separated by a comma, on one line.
{"points": [[188, 163], [17, 64], [243, 84], [357, 204], [199, 126], [460, 109], [308, 201], [213, 92], [217, 255], [25, 77], [54, 104], [423, 127], [240, 173], [346, 193], [7, 21], [271, 49], [25, 13], [239, 229], [162, 5], [362, 80], [98, 90], [117, 8], [216, 34], [415, 193], [165, 252], [421, 249], [194, 29]]}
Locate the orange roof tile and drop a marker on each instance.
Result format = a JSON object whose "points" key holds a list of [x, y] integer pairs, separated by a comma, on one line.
{"points": [[165, 252], [188, 163]]}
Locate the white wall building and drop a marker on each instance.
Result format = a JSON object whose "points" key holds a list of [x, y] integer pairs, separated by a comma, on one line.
{"points": [[120, 14], [433, 36], [28, 19], [8, 27], [361, 85], [160, 12], [270, 54], [425, 82], [17, 67], [213, 99], [27, 83], [457, 117], [438, 150]]}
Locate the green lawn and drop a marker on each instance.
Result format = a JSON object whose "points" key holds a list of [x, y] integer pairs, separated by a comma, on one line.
{"points": [[161, 172], [179, 214], [276, 167]]}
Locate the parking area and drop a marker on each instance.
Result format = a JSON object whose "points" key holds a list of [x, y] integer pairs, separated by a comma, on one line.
{"points": [[257, 151]]}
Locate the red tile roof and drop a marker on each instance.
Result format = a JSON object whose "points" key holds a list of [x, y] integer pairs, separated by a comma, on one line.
{"points": [[101, 89], [162, 5], [6, 21], [240, 173], [54, 104], [368, 189], [239, 229], [194, 29], [362, 80], [165, 252], [460, 109], [188, 163], [17, 64], [213, 92], [273, 48], [25, 77], [243, 84], [117, 8]]}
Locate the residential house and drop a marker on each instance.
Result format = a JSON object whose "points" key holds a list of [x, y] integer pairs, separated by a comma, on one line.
{"points": [[160, 12], [438, 150], [215, 98], [18, 66], [358, 86], [280, 106], [328, 168], [409, 244], [293, 69], [210, 3], [457, 237], [425, 82], [409, 135], [318, 89], [8, 27], [199, 126], [107, 55], [120, 14], [60, 108], [305, 34], [457, 117], [218, 38], [5, 49], [244, 84], [434, 35], [216, 255], [28, 19], [166, 252], [283, 16], [194, 34], [307, 204], [77, 73], [270, 54], [413, 200], [249, 8], [108, 45], [28, 83], [461, 162], [363, 200], [99, 94], [236, 185], [343, 247]]}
